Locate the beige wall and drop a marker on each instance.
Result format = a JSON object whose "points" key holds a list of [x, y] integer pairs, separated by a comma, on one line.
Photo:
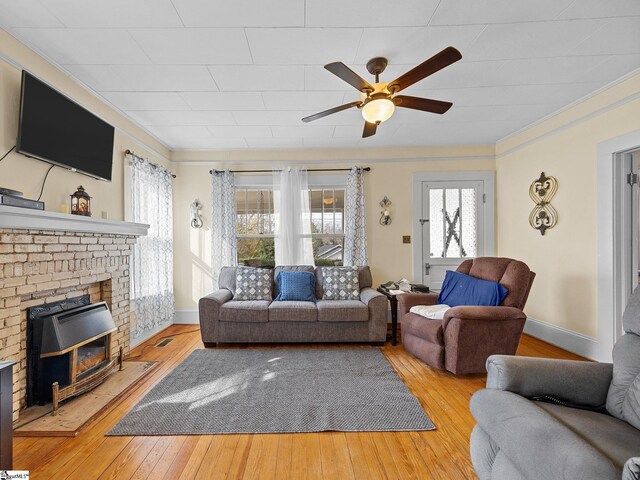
{"points": [[388, 256], [26, 174], [564, 293], [565, 145]]}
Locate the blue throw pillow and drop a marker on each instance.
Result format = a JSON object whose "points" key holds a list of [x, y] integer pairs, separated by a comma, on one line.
{"points": [[460, 289], [296, 286]]}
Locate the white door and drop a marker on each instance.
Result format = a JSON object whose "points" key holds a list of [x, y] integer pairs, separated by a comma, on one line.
{"points": [[452, 224]]}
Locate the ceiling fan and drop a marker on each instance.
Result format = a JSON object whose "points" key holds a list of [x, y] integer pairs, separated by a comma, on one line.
{"points": [[378, 101]]}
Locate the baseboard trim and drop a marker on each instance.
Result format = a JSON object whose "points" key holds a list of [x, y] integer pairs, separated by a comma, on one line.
{"points": [[134, 342], [574, 342], [186, 316]]}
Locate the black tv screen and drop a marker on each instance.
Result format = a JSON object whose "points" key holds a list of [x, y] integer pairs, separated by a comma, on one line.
{"points": [[57, 130]]}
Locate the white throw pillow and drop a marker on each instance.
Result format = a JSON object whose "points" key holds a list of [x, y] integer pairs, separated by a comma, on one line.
{"points": [[434, 312]]}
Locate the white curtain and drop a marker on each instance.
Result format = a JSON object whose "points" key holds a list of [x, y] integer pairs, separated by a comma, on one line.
{"points": [[224, 244], [293, 217], [152, 261], [355, 222]]}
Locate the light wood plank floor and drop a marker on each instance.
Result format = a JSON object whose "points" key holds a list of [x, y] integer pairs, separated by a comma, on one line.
{"points": [[439, 454]]}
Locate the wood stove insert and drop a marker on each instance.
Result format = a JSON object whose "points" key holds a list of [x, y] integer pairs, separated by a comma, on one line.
{"points": [[68, 350]]}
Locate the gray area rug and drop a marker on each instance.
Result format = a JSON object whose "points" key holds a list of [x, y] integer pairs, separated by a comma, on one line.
{"points": [[277, 391]]}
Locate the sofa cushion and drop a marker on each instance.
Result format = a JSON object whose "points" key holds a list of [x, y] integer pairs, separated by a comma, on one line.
{"points": [[421, 327], [253, 284], [460, 289], [246, 311], [623, 398], [545, 448], [618, 440], [340, 283], [296, 286], [227, 279], [342, 311], [288, 268], [293, 311]]}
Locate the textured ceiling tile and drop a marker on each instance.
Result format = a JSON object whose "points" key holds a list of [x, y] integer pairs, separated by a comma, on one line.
{"points": [[368, 13], [238, 78], [197, 46], [83, 46], [462, 12], [413, 45], [26, 13], [144, 78], [530, 40], [224, 100], [241, 13], [114, 13], [286, 46]]}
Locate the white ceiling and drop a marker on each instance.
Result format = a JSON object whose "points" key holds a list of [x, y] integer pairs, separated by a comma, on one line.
{"points": [[212, 74]]}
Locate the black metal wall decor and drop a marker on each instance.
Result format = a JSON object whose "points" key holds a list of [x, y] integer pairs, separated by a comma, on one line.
{"points": [[543, 216]]}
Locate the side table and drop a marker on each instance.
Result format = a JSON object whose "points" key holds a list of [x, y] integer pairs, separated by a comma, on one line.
{"points": [[393, 301]]}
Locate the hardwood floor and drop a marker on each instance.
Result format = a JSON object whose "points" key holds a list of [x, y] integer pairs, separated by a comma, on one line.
{"points": [[439, 454]]}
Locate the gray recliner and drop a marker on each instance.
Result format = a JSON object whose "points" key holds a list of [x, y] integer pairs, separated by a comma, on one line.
{"points": [[545, 419]]}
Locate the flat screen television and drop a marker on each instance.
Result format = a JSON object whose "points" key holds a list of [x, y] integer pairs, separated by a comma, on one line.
{"points": [[57, 130]]}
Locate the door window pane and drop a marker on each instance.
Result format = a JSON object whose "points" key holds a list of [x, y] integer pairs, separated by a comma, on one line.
{"points": [[436, 223], [452, 222], [469, 222]]}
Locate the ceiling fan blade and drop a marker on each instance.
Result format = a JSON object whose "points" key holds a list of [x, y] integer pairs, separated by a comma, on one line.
{"points": [[369, 129], [440, 60], [352, 78], [424, 104], [316, 116]]}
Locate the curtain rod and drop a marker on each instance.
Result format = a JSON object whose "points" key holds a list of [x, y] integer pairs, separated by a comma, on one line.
{"points": [[366, 169], [132, 153]]}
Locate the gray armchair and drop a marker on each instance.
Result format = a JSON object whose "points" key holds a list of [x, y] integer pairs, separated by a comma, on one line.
{"points": [[544, 419]]}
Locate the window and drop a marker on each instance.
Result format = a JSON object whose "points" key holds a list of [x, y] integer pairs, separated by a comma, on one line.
{"points": [[256, 223]]}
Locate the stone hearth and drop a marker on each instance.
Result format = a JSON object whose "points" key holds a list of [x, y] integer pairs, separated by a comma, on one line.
{"points": [[40, 266]]}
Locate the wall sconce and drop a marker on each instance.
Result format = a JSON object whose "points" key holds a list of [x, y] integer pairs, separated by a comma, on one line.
{"points": [[385, 216], [196, 219], [543, 216]]}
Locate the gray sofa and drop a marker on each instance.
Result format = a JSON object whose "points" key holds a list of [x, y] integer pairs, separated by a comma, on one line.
{"points": [[224, 320], [586, 424]]}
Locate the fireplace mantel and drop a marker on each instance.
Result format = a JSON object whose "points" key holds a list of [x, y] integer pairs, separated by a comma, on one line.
{"points": [[24, 218]]}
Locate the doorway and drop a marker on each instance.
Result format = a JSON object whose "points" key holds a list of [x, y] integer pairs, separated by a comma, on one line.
{"points": [[615, 240], [453, 220], [629, 214]]}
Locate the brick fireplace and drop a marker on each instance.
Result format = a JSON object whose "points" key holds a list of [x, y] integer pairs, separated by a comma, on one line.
{"points": [[60, 259]]}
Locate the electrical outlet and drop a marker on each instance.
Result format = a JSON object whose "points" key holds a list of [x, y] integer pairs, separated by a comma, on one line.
{"points": [[406, 239]]}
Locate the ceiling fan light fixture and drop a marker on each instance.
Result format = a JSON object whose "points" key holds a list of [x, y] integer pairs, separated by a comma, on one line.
{"points": [[378, 110]]}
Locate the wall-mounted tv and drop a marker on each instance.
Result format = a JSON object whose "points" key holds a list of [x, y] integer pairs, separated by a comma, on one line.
{"points": [[57, 130]]}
